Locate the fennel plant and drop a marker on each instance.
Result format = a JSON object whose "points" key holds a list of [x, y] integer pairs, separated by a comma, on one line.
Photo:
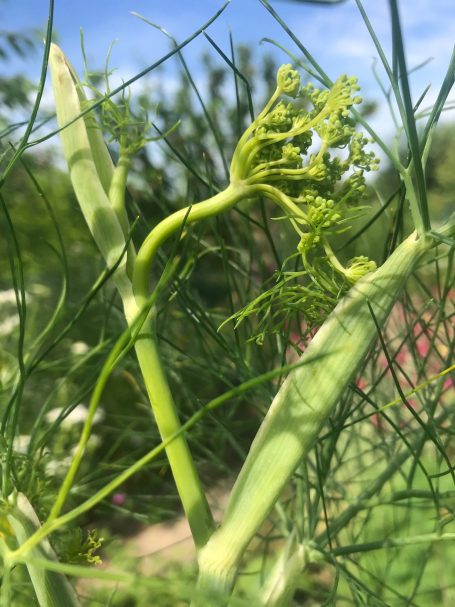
{"points": [[305, 152]]}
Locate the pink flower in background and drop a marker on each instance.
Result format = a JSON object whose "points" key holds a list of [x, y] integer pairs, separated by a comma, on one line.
{"points": [[361, 383], [118, 499], [402, 356], [422, 341], [377, 422], [423, 346]]}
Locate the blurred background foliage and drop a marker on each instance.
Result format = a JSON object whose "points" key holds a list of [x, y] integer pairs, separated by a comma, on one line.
{"points": [[224, 264]]}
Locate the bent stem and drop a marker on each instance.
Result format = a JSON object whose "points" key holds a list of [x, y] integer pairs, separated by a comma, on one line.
{"points": [[215, 205], [185, 475]]}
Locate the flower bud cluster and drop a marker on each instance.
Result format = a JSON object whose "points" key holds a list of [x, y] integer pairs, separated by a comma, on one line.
{"points": [[358, 267], [322, 212], [274, 150], [308, 156], [288, 80]]}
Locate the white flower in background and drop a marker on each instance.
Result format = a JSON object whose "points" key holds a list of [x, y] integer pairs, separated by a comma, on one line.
{"points": [[8, 297], [77, 416], [79, 347], [9, 324], [21, 443], [58, 467]]}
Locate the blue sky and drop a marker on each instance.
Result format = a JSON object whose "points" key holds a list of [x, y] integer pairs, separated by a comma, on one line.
{"points": [[335, 35]]}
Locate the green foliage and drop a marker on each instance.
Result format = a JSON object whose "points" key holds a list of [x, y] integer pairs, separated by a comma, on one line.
{"points": [[320, 192], [119, 122], [14, 90], [440, 178], [439, 173], [377, 472], [77, 547]]}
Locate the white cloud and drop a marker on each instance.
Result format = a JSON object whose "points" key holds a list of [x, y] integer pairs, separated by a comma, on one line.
{"points": [[335, 35]]}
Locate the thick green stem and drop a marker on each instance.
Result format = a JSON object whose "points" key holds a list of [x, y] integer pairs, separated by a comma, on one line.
{"points": [[52, 589], [283, 580], [301, 407], [413, 199], [5, 595], [179, 456], [117, 192], [180, 460], [175, 222]]}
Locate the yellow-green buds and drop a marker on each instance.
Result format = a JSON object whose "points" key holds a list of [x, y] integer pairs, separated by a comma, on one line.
{"points": [[320, 191], [358, 267], [288, 80]]}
